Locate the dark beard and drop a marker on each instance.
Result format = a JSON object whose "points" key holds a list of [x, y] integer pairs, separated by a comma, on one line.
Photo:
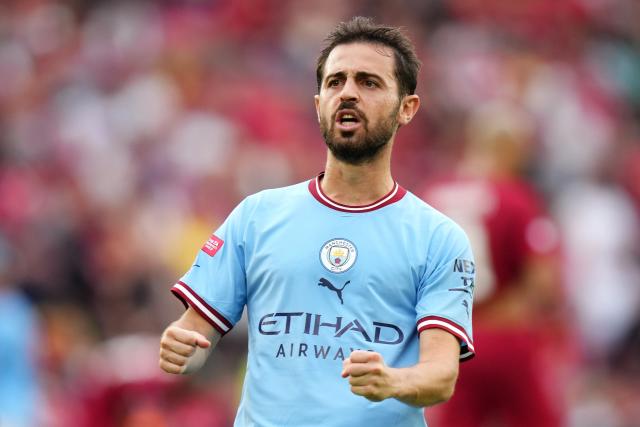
{"points": [[359, 152]]}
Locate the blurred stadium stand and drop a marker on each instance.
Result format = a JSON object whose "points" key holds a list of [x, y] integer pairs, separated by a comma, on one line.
{"points": [[130, 129]]}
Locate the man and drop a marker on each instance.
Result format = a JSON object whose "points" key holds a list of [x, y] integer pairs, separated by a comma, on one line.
{"points": [[19, 333], [346, 275], [517, 294]]}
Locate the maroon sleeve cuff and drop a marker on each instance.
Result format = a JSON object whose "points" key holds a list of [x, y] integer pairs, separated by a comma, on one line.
{"points": [[189, 298], [467, 350]]}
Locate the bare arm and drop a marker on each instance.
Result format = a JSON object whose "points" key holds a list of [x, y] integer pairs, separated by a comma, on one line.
{"points": [[186, 343], [426, 383]]}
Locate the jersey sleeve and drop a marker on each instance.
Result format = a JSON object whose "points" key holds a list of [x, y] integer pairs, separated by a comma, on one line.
{"points": [[445, 293], [215, 285]]}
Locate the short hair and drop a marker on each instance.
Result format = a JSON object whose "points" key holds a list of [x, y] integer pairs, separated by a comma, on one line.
{"points": [[363, 29]]}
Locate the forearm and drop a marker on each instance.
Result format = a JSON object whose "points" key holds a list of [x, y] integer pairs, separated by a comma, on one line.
{"points": [[424, 384], [430, 381], [192, 321]]}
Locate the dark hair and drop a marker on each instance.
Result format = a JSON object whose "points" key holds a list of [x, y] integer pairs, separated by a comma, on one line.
{"points": [[362, 29]]}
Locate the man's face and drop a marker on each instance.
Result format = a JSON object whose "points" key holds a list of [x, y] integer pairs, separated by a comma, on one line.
{"points": [[358, 104]]}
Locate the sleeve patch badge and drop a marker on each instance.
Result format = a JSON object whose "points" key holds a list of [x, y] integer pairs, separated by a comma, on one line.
{"points": [[213, 245]]}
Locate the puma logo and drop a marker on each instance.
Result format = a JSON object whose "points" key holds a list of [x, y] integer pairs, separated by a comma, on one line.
{"points": [[327, 284]]}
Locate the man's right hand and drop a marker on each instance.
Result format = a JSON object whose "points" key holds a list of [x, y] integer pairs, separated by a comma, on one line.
{"points": [[182, 351]]}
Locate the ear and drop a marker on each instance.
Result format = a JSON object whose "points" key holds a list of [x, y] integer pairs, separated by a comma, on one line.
{"points": [[316, 99], [408, 108]]}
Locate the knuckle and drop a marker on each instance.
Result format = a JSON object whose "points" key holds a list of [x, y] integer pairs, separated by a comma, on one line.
{"points": [[171, 357], [169, 368], [181, 350], [166, 342], [165, 366], [178, 360]]}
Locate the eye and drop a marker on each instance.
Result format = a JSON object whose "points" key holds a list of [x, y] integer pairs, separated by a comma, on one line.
{"points": [[370, 83], [333, 82]]}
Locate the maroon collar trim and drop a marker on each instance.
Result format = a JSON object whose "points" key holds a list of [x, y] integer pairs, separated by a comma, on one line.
{"points": [[393, 196]]}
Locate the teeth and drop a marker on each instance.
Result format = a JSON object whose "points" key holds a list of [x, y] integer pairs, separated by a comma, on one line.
{"points": [[348, 116]]}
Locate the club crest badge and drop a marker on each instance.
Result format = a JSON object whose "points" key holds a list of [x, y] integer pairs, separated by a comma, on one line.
{"points": [[338, 255]]}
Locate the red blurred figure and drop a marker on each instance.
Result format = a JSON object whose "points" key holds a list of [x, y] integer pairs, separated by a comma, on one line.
{"points": [[517, 290], [124, 389]]}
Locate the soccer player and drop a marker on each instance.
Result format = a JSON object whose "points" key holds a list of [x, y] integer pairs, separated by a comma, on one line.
{"points": [[517, 298], [358, 294]]}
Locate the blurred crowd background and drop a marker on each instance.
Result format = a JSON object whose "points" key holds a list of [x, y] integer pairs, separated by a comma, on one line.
{"points": [[130, 129]]}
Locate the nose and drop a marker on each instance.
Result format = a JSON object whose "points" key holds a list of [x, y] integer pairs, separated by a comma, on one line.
{"points": [[349, 91]]}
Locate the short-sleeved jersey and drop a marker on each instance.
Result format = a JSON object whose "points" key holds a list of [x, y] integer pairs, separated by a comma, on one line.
{"points": [[320, 279]]}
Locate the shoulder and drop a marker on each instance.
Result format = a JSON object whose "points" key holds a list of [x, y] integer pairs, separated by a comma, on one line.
{"points": [[439, 230], [422, 212], [279, 195], [272, 199]]}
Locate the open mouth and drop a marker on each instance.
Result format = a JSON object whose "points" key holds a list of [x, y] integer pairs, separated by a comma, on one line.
{"points": [[347, 120]]}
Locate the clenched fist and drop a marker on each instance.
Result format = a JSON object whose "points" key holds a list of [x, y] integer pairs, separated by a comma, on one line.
{"points": [[369, 376], [182, 351]]}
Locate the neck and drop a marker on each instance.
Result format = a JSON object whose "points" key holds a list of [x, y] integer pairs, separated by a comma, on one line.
{"points": [[357, 185]]}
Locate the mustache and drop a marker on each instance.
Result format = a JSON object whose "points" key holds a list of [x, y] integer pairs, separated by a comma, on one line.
{"points": [[349, 105]]}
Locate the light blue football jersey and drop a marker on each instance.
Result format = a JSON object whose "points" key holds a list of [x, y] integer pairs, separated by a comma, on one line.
{"points": [[320, 279]]}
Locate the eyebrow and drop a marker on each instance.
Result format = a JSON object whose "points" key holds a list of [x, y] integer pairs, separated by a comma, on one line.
{"points": [[359, 75]]}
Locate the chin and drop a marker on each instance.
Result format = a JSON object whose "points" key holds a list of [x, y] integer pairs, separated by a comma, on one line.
{"points": [[347, 135]]}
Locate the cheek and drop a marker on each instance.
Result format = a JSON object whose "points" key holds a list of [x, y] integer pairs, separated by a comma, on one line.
{"points": [[325, 119], [325, 111], [385, 112]]}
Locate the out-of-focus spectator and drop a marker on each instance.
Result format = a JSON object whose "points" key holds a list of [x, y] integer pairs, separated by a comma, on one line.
{"points": [[128, 391], [601, 233], [517, 293]]}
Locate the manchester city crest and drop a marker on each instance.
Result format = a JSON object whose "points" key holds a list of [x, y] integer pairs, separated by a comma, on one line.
{"points": [[338, 255]]}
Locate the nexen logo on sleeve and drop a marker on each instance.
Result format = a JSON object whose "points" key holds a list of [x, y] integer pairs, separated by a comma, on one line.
{"points": [[212, 245]]}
